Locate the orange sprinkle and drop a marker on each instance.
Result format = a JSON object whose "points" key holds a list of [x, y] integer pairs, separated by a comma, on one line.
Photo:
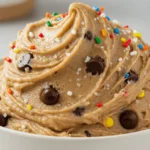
{"points": [[102, 8], [145, 48], [10, 91], [105, 20], [32, 47], [47, 15], [104, 32]]}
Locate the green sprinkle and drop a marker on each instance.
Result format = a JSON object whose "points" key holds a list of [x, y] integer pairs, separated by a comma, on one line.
{"points": [[48, 23], [98, 40], [55, 13]]}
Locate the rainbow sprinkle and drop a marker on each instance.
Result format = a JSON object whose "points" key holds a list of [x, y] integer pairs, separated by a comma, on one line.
{"points": [[117, 31]]}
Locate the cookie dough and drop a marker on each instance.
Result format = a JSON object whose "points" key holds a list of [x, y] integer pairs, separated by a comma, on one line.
{"points": [[78, 74]]}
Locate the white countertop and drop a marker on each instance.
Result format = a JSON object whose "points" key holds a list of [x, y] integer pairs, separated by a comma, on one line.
{"points": [[130, 12]]}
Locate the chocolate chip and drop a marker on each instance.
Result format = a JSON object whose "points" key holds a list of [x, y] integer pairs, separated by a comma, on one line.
{"points": [[78, 111], [67, 47], [3, 120], [24, 62], [49, 95], [88, 35], [87, 133], [128, 119], [132, 76], [95, 66]]}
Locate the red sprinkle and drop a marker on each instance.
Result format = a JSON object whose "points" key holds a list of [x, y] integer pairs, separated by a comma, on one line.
{"points": [[125, 93], [99, 13], [127, 43], [126, 27], [99, 105], [13, 46], [41, 35], [111, 36], [8, 59]]}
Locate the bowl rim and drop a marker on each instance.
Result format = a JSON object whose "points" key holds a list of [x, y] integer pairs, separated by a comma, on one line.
{"points": [[46, 137]]}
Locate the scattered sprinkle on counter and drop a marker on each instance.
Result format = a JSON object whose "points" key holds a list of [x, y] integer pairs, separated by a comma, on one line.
{"points": [[123, 40], [48, 15], [109, 122], [96, 8], [104, 32], [48, 23], [133, 53], [99, 105], [127, 43], [98, 40], [69, 93], [141, 95], [29, 107], [55, 13], [16, 50], [140, 46], [87, 59], [32, 47], [10, 91], [57, 40], [116, 31], [41, 35], [31, 35], [74, 32]]}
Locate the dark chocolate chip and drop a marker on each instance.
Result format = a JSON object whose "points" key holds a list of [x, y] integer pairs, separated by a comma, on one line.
{"points": [[67, 47], [3, 120], [132, 76], [78, 111], [95, 66], [87, 133], [24, 62], [49, 95], [88, 35], [128, 119]]}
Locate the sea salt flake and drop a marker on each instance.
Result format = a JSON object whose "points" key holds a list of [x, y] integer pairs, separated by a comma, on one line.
{"points": [[87, 59], [69, 93]]}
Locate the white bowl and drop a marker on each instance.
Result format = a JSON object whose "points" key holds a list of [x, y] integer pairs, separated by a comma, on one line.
{"points": [[14, 140], [131, 12]]}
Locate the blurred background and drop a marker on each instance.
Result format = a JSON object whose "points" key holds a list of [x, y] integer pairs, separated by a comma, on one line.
{"points": [[134, 13]]}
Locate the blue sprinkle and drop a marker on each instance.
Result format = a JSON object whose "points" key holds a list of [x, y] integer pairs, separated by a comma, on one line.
{"points": [[127, 75], [58, 19], [96, 8], [140, 46], [117, 31], [108, 18]]}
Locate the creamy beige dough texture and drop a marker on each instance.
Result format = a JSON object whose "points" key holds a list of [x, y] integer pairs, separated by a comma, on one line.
{"points": [[60, 58]]}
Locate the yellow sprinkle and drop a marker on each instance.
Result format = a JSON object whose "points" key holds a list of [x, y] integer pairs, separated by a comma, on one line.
{"points": [[123, 40], [109, 122], [104, 32], [141, 95], [29, 107], [16, 50], [138, 34]]}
